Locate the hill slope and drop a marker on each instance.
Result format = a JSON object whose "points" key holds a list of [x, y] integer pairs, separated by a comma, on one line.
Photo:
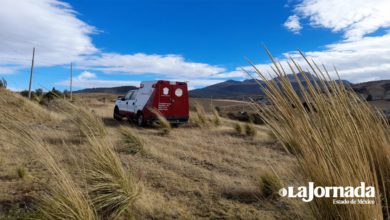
{"points": [[377, 89], [228, 89], [111, 90]]}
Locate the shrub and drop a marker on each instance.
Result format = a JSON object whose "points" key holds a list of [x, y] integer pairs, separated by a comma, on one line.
{"points": [[3, 83], [238, 128], [369, 98], [255, 118], [21, 172], [39, 92], [24, 93], [246, 117], [250, 130], [50, 96]]}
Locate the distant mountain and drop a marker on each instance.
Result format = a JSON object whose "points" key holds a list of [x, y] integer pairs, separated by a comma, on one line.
{"points": [[231, 89], [300, 76], [228, 89], [249, 88], [113, 90], [374, 90]]}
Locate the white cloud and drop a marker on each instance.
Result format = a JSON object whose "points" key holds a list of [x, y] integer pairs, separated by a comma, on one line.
{"points": [[356, 61], [358, 57], [49, 25], [52, 27], [356, 18], [89, 80], [237, 73], [5, 70], [86, 75], [293, 24], [198, 83], [15, 89], [163, 65]]}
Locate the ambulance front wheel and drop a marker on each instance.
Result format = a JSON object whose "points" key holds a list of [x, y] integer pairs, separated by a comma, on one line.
{"points": [[117, 115]]}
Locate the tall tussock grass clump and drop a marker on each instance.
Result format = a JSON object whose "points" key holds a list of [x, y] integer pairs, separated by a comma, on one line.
{"points": [[217, 118], [132, 143], [63, 199], [270, 185], [238, 128], [105, 190], [165, 126], [245, 130], [201, 115], [90, 124], [250, 130], [111, 188], [337, 138]]}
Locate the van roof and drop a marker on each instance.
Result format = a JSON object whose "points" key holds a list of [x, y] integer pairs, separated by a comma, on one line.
{"points": [[155, 81]]}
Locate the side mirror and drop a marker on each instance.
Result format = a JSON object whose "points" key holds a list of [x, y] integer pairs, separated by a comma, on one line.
{"points": [[123, 98]]}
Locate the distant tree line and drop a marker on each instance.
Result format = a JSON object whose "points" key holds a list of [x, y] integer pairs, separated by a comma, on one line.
{"points": [[45, 97], [3, 83]]}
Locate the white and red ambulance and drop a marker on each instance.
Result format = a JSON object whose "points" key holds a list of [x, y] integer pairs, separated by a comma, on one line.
{"points": [[170, 98]]}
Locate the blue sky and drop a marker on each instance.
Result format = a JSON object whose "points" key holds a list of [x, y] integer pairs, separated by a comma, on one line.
{"points": [[119, 42]]}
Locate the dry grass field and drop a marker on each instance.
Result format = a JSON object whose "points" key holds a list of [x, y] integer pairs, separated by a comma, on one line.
{"points": [[198, 171], [204, 172], [225, 105], [72, 160]]}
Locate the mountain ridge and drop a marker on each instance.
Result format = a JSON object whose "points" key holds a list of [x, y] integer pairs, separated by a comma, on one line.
{"points": [[233, 89]]}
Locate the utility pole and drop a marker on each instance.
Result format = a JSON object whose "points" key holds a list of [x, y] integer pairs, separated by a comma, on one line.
{"points": [[31, 74], [71, 80], [242, 104]]}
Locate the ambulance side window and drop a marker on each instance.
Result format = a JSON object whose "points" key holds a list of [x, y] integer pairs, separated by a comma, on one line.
{"points": [[128, 95], [133, 95]]}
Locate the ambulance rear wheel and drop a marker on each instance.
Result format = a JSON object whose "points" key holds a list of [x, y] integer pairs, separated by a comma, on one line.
{"points": [[140, 120]]}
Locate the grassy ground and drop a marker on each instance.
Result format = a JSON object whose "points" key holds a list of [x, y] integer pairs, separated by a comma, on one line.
{"points": [[225, 105], [204, 172], [192, 172]]}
